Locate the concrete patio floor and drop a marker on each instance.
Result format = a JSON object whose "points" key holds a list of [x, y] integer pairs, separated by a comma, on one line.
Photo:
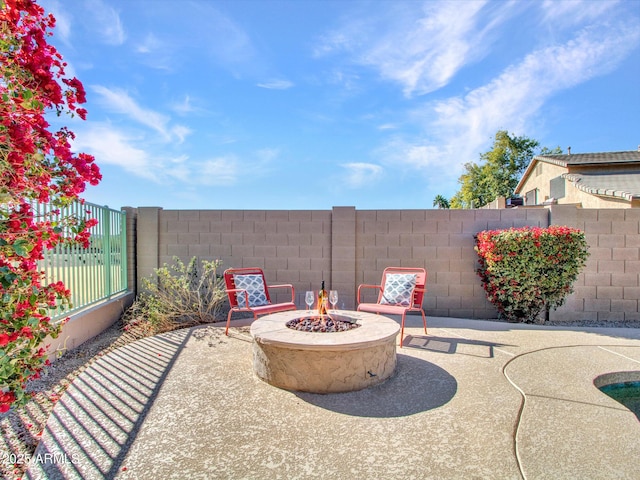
{"points": [[472, 400]]}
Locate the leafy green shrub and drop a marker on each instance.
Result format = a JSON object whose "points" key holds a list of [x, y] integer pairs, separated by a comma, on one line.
{"points": [[525, 270], [182, 296]]}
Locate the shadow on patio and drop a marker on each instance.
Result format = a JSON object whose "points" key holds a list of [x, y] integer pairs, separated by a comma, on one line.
{"points": [[99, 417], [401, 395]]}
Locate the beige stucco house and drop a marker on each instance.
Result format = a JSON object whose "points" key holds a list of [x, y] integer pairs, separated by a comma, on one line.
{"points": [[591, 180]]}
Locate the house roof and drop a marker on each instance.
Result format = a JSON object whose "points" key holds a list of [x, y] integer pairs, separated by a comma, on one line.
{"points": [[619, 185], [602, 158], [628, 158]]}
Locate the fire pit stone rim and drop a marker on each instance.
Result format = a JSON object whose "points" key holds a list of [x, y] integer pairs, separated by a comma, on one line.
{"points": [[272, 329]]}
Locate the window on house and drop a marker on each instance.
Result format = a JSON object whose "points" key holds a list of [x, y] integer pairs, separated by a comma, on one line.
{"points": [[556, 187], [531, 197]]}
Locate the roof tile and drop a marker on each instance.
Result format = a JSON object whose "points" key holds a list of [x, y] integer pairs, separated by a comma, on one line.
{"points": [[600, 158]]}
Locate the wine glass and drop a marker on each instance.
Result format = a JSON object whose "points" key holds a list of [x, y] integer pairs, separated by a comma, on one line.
{"points": [[333, 298], [309, 297]]}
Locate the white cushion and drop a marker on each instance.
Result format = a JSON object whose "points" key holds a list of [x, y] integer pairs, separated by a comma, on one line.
{"points": [[254, 285], [398, 289]]}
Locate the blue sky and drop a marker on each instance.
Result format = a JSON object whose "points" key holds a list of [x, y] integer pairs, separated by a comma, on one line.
{"points": [[305, 104]]}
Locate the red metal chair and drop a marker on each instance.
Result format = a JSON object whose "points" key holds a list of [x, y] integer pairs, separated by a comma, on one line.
{"points": [[248, 292], [401, 290]]}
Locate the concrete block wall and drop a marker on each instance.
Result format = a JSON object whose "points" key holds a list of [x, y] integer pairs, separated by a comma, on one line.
{"points": [[442, 242], [347, 247], [147, 244], [290, 246], [609, 287], [131, 226]]}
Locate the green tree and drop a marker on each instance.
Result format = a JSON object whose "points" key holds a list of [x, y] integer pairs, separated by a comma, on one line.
{"points": [[474, 191], [498, 172], [441, 202]]}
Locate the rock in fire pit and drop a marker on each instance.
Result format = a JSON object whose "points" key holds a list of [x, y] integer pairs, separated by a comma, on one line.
{"points": [[328, 323]]}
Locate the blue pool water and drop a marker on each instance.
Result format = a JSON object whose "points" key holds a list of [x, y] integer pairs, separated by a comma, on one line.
{"points": [[627, 393]]}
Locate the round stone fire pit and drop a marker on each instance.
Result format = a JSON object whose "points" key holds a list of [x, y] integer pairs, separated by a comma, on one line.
{"points": [[324, 362]]}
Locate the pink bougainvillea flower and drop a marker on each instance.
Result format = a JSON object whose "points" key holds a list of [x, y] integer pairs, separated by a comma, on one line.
{"points": [[38, 165], [527, 270]]}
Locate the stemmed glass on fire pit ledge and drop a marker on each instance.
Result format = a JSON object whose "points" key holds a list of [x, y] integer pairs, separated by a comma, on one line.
{"points": [[333, 298], [309, 298]]}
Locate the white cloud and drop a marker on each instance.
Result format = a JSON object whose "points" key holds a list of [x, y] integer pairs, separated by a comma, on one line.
{"points": [[180, 159], [63, 21], [574, 12], [111, 146], [267, 155], [349, 81], [180, 30], [119, 101], [334, 41], [135, 155], [177, 168], [219, 37], [426, 57], [158, 53], [107, 22], [180, 132], [218, 171], [151, 43], [225, 170], [185, 106], [360, 174], [276, 84], [520, 91], [457, 129], [437, 163], [421, 47]]}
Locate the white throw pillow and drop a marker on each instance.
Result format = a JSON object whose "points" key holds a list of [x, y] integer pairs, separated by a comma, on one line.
{"points": [[398, 289], [254, 285]]}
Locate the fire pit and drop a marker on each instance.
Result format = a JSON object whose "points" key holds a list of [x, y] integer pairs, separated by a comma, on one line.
{"points": [[324, 362]]}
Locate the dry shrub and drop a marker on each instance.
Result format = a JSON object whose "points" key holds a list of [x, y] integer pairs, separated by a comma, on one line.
{"points": [[178, 296]]}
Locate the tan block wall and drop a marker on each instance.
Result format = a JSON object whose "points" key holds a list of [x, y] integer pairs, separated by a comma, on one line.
{"points": [[609, 287], [147, 243], [347, 247], [442, 242], [131, 226], [290, 246], [343, 246]]}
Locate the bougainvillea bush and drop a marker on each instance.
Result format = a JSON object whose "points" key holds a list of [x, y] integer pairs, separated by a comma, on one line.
{"points": [[527, 270], [36, 165]]}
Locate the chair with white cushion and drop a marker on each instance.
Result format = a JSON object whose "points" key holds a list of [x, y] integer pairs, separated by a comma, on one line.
{"points": [[248, 292], [400, 291]]}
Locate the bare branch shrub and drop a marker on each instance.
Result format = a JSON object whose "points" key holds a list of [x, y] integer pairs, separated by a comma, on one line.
{"points": [[181, 296]]}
